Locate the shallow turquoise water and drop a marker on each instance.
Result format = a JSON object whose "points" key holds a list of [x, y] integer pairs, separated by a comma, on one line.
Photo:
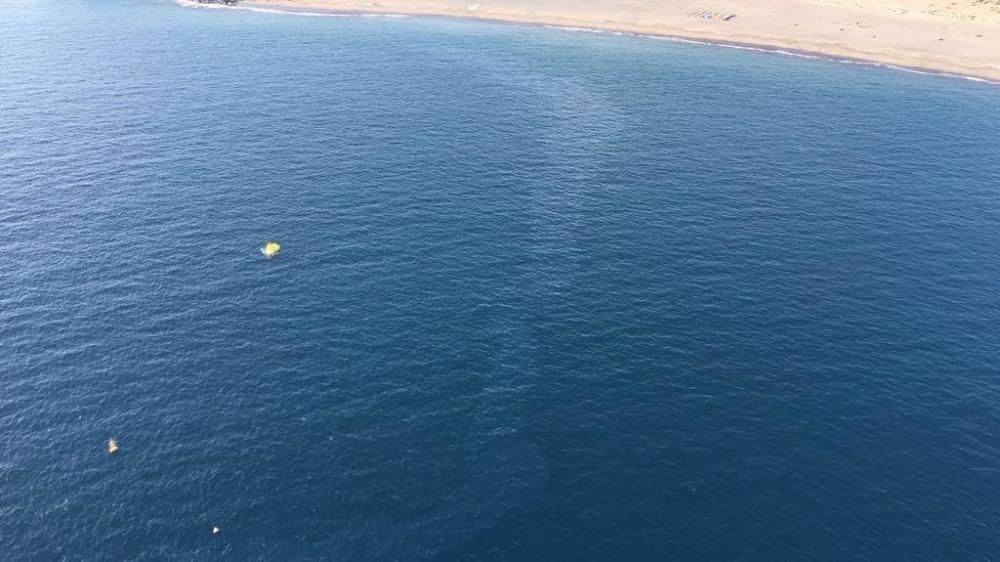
{"points": [[544, 295]]}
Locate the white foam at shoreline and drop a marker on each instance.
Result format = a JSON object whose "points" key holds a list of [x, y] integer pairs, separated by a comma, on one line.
{"points": [[578, 29], [194, 4]]}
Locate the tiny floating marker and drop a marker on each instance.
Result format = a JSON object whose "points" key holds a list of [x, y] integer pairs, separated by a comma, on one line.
{"points": [[112, 446], [215, 530], [271, 249]]}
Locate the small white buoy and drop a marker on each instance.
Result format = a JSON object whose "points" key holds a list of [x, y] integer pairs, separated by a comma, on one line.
{"points": [[215, 530], [112, 446]]}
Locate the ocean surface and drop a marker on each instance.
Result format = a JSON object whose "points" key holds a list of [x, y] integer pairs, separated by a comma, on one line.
{"points": [[544, 295]]}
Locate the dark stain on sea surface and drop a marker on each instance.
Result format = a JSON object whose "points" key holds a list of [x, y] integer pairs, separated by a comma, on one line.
{"points": [[542, 295]]}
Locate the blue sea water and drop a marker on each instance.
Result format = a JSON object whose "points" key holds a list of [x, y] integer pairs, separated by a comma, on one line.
{"points": [[543, 295]]}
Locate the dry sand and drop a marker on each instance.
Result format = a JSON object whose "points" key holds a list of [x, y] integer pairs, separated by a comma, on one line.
{"points": [[961, 36]]}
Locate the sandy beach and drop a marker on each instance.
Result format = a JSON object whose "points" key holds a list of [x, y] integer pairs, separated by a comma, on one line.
{"points": [[960, 37]]}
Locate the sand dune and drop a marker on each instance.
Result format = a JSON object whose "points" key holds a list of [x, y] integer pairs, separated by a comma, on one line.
{"points": [[961, 36]]}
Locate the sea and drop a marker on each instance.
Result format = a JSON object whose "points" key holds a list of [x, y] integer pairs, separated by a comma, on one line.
{"points": [[543, 295]]}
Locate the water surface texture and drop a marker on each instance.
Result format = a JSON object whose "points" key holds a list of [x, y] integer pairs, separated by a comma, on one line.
{"points": [[543, 295]]}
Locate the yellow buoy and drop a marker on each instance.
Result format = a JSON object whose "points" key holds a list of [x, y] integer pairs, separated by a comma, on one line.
{"points": [[271, 249], [112, 446]]}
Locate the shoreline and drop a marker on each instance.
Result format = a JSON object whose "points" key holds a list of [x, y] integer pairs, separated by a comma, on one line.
{"points": [[984, 66]]}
